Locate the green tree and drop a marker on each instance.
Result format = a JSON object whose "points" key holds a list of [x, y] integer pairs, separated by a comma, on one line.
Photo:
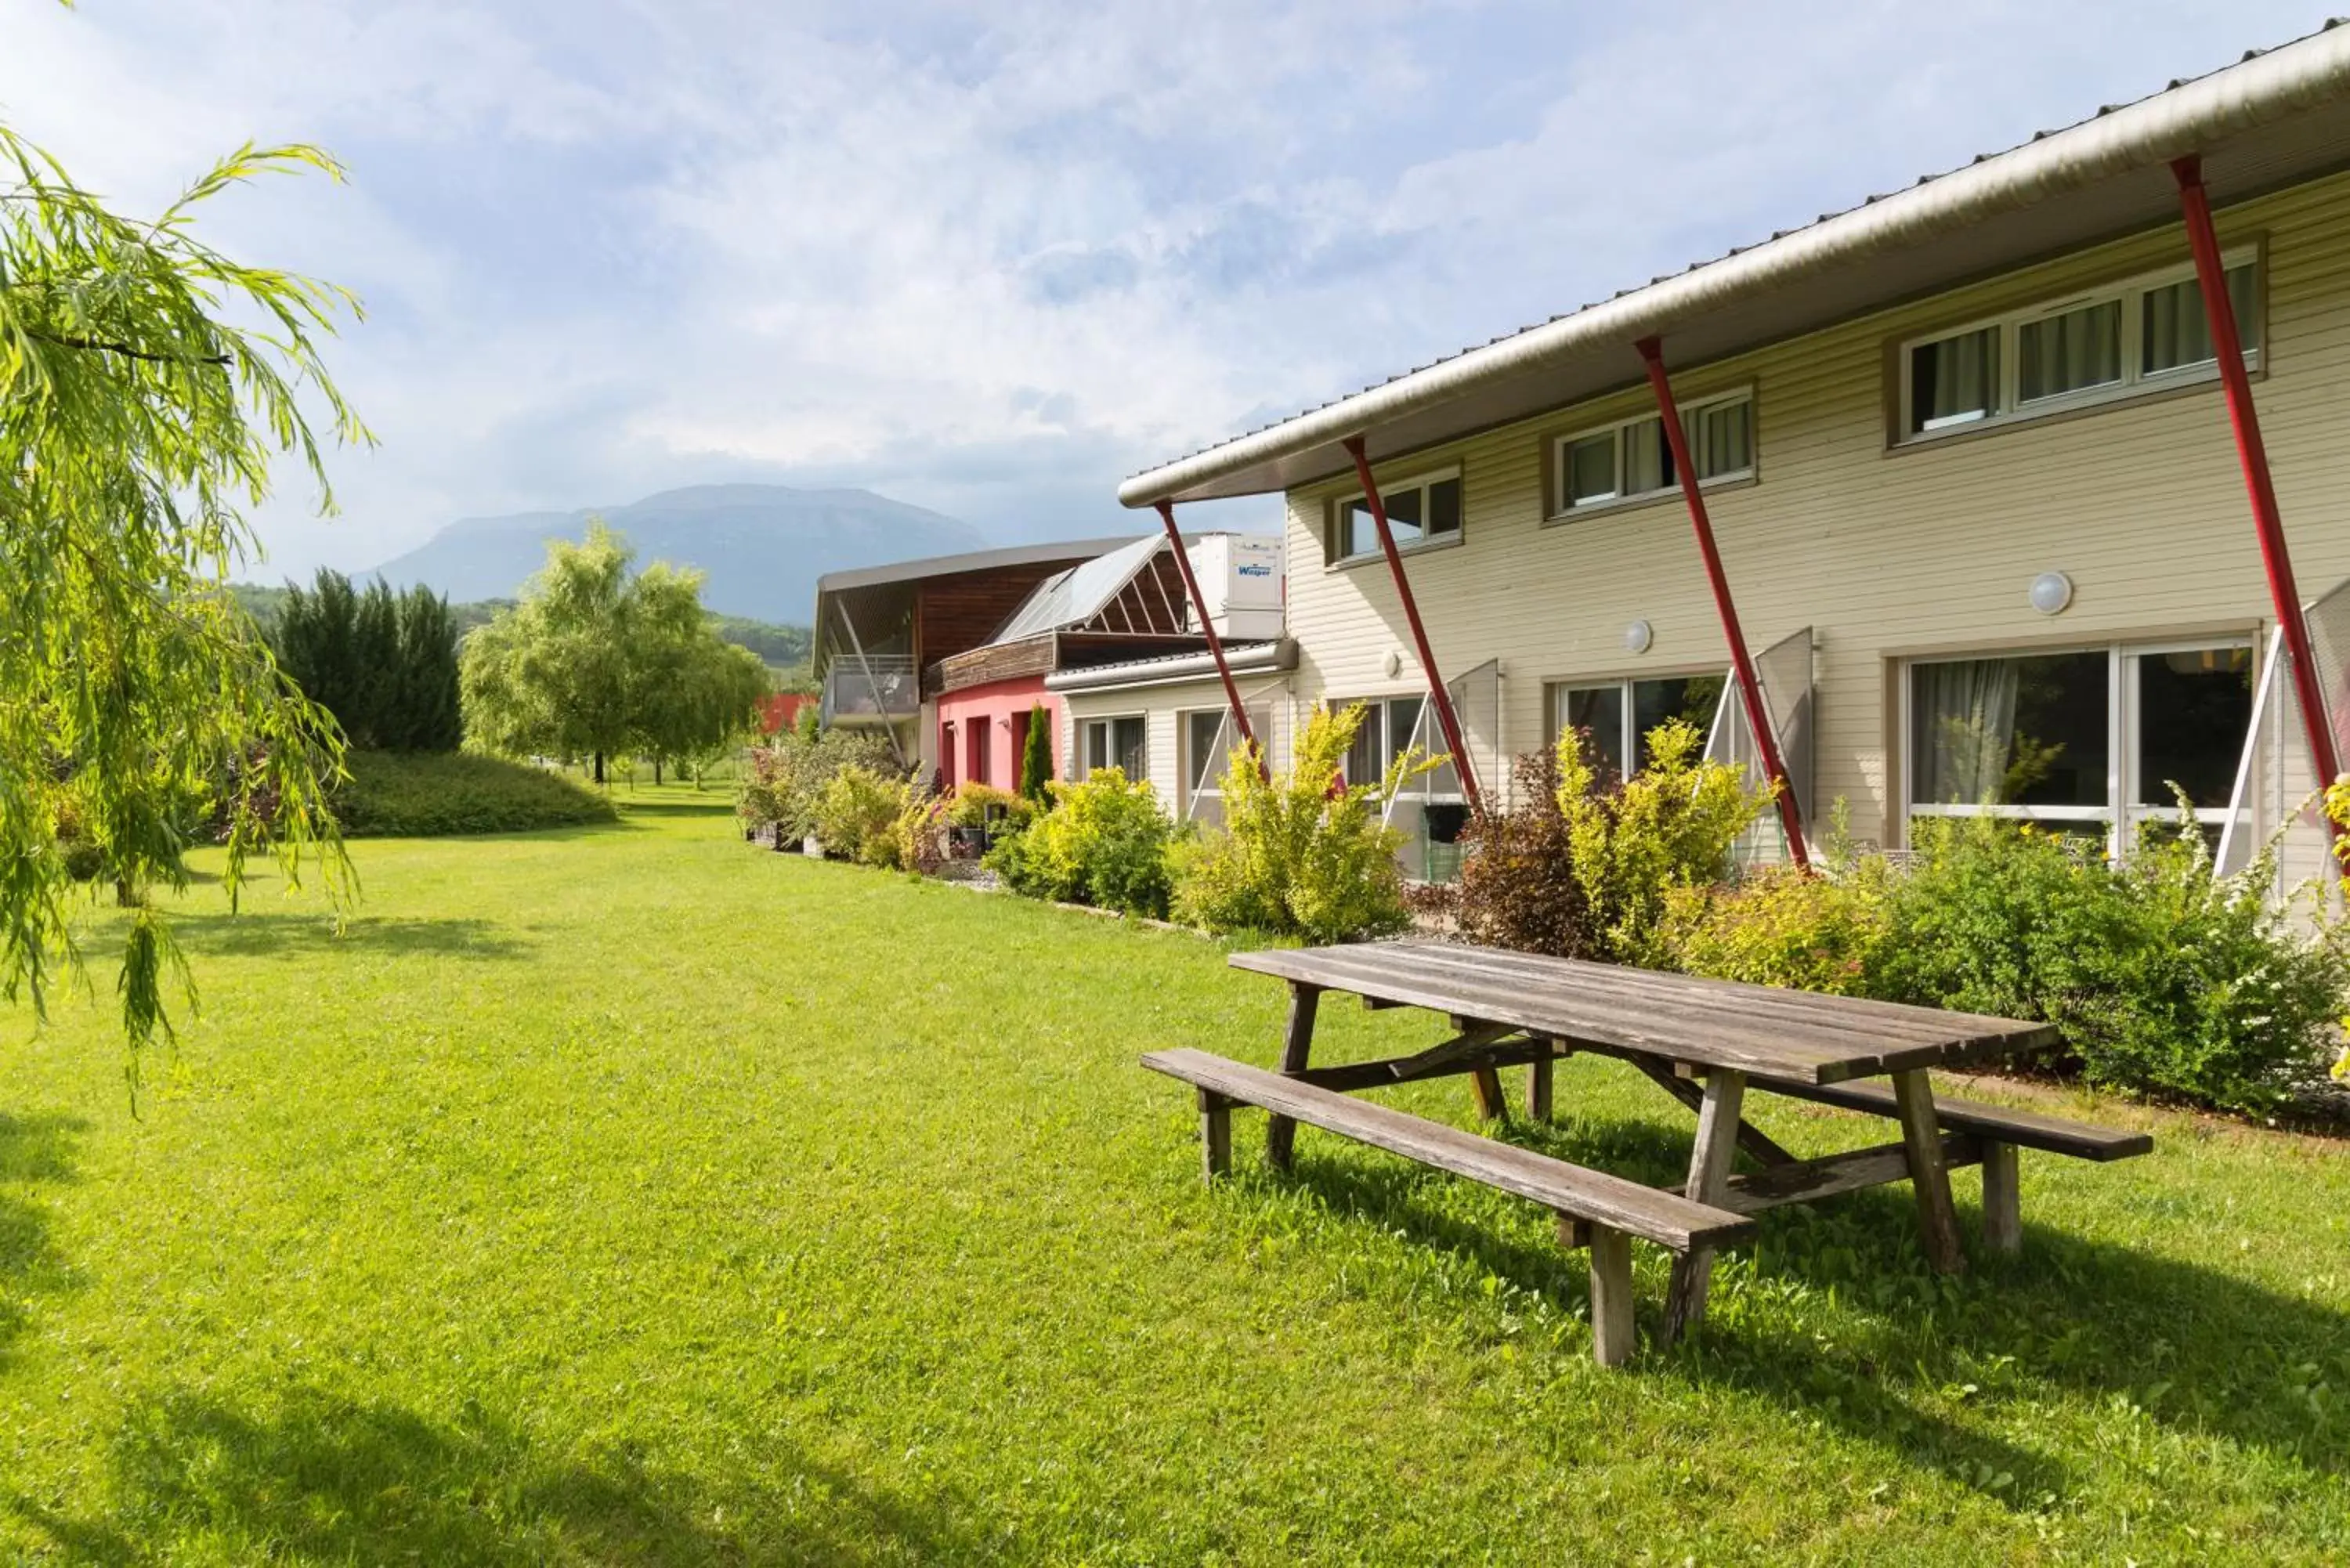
{"points": [[384, 664], [596, 662], [1036, 756], [430, 716], [143, 711], [690, 690]]}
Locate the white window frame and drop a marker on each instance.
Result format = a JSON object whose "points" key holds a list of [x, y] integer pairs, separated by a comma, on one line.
{"points": [[1381, 706], [2123, 811], [1108, 723], [1260, 721], [1627, 743], [2135, 382], [1335, 526], [1567, 506]]}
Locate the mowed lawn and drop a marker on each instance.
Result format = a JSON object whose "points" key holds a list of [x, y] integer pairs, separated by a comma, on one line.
{"points": [[630, 1195]]}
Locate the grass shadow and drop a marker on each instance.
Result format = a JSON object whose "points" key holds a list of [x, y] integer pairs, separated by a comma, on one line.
{"points": [[250, 935], [2139, 1334], [321, 1478], [35, 1149], [716, 805]]}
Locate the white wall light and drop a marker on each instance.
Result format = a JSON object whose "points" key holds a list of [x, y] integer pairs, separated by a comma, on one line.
{"points": [[1637, 636], [2051, 593]]}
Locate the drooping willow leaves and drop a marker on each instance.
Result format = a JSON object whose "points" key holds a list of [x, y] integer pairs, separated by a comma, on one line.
{"points": [[147, 383]]}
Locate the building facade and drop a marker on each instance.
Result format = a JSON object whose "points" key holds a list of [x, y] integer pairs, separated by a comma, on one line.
{"points": [[1975, 491]]}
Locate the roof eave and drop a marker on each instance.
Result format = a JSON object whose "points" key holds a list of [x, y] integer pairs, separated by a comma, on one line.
{"points": [[2143, 135]]}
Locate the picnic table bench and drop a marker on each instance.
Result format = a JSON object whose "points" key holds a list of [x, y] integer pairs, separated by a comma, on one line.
{"points": [[1705, 1041]]}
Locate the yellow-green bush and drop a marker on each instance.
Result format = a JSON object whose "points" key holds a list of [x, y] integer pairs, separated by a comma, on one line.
{"points": [[1779, 926], [1669, 825], [1104, 842], [1296, 856], [857, 816]]}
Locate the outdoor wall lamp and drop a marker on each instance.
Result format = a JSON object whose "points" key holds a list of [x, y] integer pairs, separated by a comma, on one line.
{"points": [[2051, 592], [1637, 636]]}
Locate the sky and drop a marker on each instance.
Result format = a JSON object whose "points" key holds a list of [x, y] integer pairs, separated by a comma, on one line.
{"points": [[991, 259]]}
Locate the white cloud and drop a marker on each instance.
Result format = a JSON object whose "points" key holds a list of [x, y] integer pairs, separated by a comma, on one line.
{"points": [[989, 261]]}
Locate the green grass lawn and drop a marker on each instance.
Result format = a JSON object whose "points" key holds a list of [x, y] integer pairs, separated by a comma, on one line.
{"points": [[627, 1194]]}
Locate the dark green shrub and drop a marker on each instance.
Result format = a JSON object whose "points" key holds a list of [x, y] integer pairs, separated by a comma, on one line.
{"points": [[426, 794], [1036, 756], [2162, 976]]}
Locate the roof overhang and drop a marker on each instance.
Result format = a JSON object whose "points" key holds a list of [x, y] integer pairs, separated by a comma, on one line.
{"points": [[1242, 658], [877, 599], [2275, 120]]}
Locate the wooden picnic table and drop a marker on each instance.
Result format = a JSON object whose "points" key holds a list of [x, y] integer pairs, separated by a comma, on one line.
{"points": [[1707, 1042]]}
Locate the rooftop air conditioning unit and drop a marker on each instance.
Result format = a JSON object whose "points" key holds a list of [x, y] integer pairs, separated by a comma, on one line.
{"points": [[1241, 579]]}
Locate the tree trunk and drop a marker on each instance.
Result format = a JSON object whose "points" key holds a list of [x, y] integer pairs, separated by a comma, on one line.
{"points": [[657, 762], [599, 770]]}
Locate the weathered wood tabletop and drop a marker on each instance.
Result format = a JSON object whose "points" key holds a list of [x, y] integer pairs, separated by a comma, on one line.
{"points": [[1674, 1018]]}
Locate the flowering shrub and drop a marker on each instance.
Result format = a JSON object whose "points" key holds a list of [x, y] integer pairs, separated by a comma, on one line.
{"points": [[787, 775], [1296, 855], [1104, 842]]}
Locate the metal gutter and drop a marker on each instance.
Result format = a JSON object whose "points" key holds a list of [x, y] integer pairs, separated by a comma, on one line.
{"points": [[2145, 135], [1245, 660]]}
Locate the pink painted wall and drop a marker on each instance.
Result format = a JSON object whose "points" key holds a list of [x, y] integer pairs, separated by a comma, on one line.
{"points": [[996, 717]]}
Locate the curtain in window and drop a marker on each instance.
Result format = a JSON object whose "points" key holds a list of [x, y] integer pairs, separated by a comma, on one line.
{"points": [[1647, 461], [2065, 353], [2176, 330], [1965, 730], [1960, 379], [1724, 444]]}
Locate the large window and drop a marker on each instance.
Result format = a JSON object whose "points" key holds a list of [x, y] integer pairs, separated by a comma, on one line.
{"points": [[1616, 717], [1421, 511], [2088, 741], [2114, 342], [1210, 738], [1389, 724], [1121, 742], [1631, 459]]}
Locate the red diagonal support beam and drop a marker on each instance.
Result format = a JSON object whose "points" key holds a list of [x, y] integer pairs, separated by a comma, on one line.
{"points": [[1215, 643], [1436, 691], [1749, 690], [2227, 343]]}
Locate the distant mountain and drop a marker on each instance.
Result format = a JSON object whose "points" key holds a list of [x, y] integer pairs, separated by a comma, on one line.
{"points": [[763, 545]]}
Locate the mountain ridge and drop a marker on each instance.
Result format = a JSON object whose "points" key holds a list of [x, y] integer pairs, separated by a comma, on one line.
{"points": [[761, 546]]}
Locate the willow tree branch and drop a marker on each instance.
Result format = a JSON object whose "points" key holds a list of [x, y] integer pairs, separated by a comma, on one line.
{"points": [[110, 346]]}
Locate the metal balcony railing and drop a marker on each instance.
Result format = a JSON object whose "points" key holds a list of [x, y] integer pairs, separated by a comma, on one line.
{"points": [[879, 686]]}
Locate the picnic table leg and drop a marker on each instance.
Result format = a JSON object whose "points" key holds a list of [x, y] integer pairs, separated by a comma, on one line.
{"points": [[1612, 1335], [1485, 1085], [2002, 1203], [1709, 1179], [1922, 1138], [1296, 1045], [1538, 1087], [1215, 1134]]}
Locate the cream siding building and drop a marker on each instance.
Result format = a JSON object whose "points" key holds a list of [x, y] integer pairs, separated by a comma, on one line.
{"points": [[1893, 547]]}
